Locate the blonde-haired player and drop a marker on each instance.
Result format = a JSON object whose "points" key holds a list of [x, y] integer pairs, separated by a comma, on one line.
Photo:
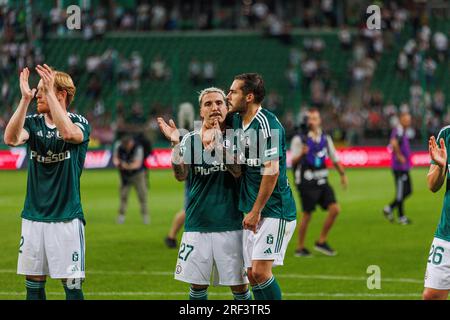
{"points": [[52, 240]]}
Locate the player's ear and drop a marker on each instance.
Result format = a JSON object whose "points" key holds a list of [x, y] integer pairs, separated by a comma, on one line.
{"points": [[62, 96], [202, 115]]}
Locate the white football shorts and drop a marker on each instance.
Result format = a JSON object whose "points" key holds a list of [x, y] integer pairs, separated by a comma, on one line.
{"points": [[270, 241], [437, 275], [56, 249], [206, 254]]}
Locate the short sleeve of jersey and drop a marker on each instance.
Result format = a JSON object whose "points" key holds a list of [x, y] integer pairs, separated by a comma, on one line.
{"points": [[187, 147], [28, 125], [444, 135], [83, 124], [273, 134]]}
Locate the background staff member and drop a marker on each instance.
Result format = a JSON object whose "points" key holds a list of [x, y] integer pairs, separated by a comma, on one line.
{"points": [[129, 158], [401, 164], [309, 151]]}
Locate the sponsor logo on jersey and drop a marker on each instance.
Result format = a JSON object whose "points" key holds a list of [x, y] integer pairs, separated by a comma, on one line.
{"points": [[50, 157], [40, 134], [271, 152], [268, 251], [207, 171]]}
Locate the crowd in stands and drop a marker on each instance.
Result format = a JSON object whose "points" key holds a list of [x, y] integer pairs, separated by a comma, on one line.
{"points": [[352, 109], [364, 112]]}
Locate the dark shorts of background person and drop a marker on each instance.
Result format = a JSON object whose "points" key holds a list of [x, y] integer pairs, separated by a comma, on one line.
{"points": [[403, 186], [311, 196]]}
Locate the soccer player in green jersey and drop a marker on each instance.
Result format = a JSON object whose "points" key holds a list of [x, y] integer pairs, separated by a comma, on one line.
{"points": [[437, 276], [52, 241], [212, 238], [265, 194]]}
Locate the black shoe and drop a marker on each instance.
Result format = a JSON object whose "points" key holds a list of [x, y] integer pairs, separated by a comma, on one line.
{"points": [[325, 249], [302, 253], [387, 211], [171, 243]]}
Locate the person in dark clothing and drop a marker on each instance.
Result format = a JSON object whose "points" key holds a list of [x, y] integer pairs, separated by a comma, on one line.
{"points": [[129, 158]]}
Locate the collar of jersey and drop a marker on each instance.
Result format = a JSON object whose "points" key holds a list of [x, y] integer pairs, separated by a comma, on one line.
{"points": [[246, 127], [51, 127]]}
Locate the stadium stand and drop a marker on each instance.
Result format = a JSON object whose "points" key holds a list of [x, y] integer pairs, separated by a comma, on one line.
{"points": [[357, 77]]}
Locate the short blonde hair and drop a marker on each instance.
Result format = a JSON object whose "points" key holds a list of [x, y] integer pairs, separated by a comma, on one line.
{"points": [[211, 90], [64, 82]]}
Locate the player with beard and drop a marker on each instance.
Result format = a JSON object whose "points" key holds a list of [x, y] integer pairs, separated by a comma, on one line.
{"points": [[265, 194]]}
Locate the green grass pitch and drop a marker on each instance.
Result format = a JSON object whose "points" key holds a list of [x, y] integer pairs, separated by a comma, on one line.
{"points": [[130, 261]]}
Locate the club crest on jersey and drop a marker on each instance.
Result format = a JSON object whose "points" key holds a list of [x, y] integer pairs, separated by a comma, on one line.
{"points": [[75, 256], [226, 143], [247, 141], [270, 239], [58, 135]]}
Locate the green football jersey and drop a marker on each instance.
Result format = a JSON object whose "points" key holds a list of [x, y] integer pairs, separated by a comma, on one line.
{"points": [[264, 139], [443, 229], [54, 170], [212, 204]]}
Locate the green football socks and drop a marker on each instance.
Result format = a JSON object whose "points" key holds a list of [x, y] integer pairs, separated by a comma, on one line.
{"points": [[35, 290], [73, 293], [268, 290], [198, 294], [242, 295]]}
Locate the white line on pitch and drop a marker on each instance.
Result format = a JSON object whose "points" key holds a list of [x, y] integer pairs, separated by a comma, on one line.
{"points": [[281, 275]]}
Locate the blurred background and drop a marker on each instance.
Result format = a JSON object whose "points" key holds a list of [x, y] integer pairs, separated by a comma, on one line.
{"points": [[135, 59]]}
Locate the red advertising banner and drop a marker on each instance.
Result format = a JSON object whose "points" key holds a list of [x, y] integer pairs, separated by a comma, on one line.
{"points": [[376, 157], [352, 157], [97, 159], [12, 159]]}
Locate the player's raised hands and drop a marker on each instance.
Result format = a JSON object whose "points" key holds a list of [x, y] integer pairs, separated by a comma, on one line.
{"points": [[438, 155], [27, 93], [48, 77], [212, 137], [169, 130]]}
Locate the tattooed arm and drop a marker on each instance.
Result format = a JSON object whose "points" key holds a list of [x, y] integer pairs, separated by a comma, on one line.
{"points": [[180, 169], [170, 131]]}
